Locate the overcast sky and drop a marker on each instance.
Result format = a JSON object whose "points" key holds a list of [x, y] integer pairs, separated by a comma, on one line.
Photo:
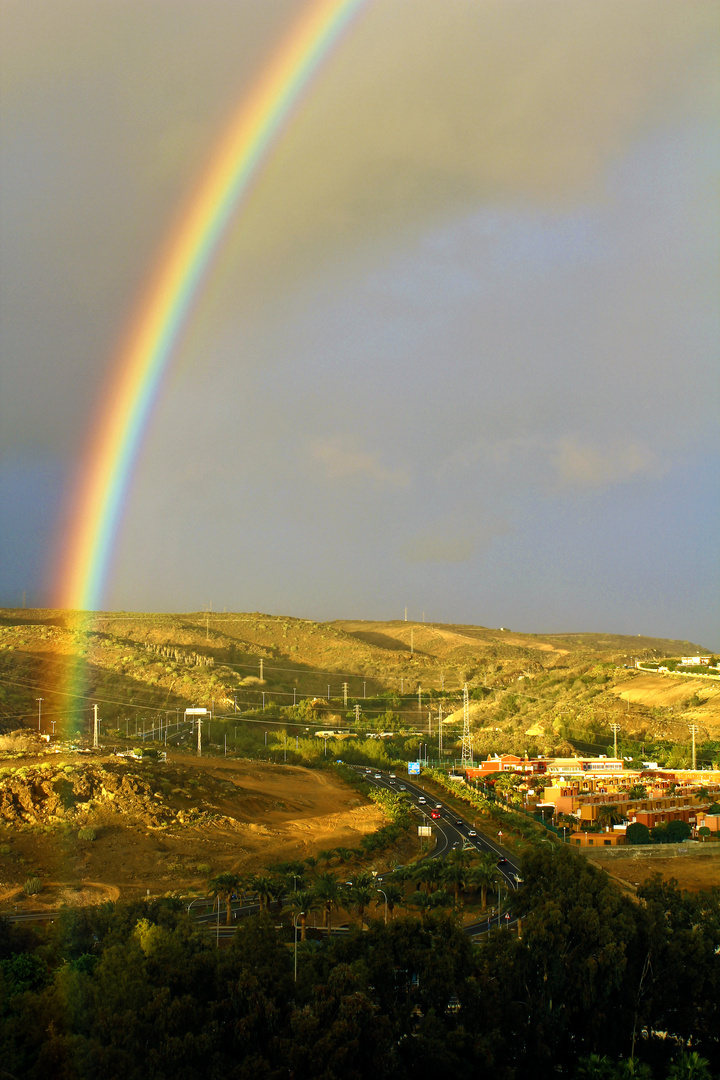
{"points": [[458, 351]]}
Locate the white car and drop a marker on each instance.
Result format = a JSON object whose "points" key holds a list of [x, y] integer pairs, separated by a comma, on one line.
{"points": [[471, 832], [378, 776], [393, 776], [422, 799]]}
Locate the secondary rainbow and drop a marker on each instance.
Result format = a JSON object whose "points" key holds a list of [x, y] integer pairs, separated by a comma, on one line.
{"points": [[164, 306]]}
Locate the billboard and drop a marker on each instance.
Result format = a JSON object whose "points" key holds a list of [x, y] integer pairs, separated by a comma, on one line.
{"points": [[413, 768]]}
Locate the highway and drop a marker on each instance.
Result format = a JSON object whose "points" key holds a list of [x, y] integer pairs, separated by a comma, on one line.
{"points": [[453, 831]]}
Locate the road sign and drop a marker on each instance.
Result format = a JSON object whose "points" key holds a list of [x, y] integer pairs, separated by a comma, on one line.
{"points": [[424, 830], [413, 768]]}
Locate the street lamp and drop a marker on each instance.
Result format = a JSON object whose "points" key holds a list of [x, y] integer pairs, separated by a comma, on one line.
{"points": [[386, 901], [39, 701]]}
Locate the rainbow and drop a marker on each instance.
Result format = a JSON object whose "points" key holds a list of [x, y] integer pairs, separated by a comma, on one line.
{"points": [[164, 306]]}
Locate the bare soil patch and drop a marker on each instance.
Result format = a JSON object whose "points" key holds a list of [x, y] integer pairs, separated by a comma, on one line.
{"points": [[167, 826], [668, 690], [694, 873]]}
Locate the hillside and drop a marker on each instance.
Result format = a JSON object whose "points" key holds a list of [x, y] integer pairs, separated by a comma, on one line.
{"points": [[530, 693]]}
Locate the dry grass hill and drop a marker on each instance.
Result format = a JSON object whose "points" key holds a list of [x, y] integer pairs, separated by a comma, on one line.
{"points": [[530, 692]]}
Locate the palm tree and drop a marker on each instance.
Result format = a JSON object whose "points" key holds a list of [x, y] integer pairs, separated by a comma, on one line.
{"points": [[360, 895], [394, 895], [455, 876], [264, 887], [364, 878], [278, 888], [302, 903], [609, 814], [690, 1067], [225, 885], [482, 876], [328, 891], [440, 898], [421, 900]]}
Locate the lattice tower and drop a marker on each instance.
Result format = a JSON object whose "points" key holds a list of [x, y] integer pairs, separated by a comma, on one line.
{"points": [[466, 758]]}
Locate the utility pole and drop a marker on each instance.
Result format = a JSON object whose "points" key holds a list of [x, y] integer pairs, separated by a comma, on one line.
{"points": [[406, 614], [357, 714], [466, 755], [440, 719], [429, 723], [207, 627], [328, 691], [199, 731], [693, 729], [615, 728], [39, 701], [419, 698], [95, 725], [261, 669], [345, 695]]}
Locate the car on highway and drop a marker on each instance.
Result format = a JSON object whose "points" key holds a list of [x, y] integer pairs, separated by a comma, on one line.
{"points": [[438, 806], [393, 776], [434, 814], [402, 787], [422, 799], [502, 862], [472, 832], [378, 776], [459, 822]]}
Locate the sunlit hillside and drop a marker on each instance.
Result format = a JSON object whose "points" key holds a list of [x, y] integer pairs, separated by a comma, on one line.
{"points": [[534, 693]]}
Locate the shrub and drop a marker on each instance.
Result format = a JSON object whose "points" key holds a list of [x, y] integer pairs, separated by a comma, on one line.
{"points": [[32, 886], [87, 833]]}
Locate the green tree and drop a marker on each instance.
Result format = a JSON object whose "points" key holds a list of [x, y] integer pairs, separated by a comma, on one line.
{"points": [[637, 833], [677, 831]]}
